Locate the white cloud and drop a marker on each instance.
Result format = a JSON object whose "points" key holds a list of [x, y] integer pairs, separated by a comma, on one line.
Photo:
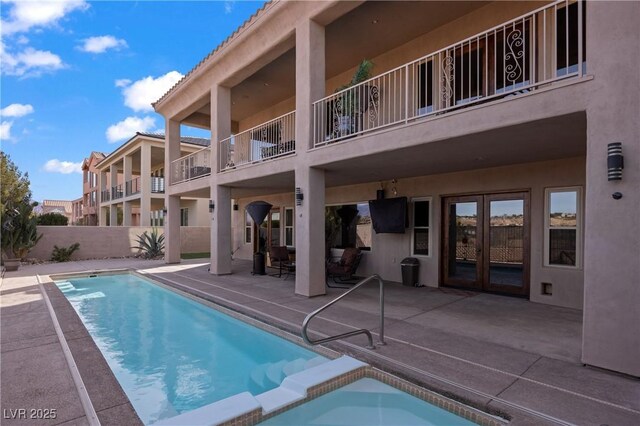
{"points": [[30, 62], [64, 167], [101, 44], [16, 110], [228, 6], [22, 40], [123, 82], [140, 94], [128, 127], [5, 130], [25, 15]]}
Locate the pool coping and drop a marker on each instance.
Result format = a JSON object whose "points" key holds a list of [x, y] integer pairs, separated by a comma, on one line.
{"points": [[258, 415]]}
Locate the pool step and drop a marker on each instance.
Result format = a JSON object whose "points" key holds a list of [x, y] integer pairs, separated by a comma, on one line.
{"points": [[294, 388]]}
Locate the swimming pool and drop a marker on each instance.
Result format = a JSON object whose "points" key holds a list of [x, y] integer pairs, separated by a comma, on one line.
{"points": [[172, 354], [367, 402]]}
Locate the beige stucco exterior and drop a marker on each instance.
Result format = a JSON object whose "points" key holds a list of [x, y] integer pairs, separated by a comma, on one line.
{"points": [[135, 172], [554, 136]]}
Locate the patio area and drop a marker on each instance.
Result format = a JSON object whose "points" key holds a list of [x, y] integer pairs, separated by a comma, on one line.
{"points": [[496, 353]]}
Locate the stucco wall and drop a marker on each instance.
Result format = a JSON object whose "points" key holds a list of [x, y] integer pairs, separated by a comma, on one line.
{"points": [[389, 249], [106, 241]]}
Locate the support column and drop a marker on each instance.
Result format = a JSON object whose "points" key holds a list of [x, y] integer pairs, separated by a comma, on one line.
{"points": [[310, 78], [102, 212], [309, 223], [221, 230], [220, 195], [102, 219], [171, 203], [145, 184], [612, 227], [126, 205], [113, 209]]}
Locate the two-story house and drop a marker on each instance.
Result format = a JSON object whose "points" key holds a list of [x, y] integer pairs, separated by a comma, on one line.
{"points": [[490, 126], [132, 184]]}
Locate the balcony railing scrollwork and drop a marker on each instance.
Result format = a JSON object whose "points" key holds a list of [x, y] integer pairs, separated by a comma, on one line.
{"points": [[105, 195], [193, 166], [273, 139], [513, 58]]}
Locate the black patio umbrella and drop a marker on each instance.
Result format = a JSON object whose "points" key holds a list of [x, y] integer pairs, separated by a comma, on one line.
{"points": [[258, 210]]}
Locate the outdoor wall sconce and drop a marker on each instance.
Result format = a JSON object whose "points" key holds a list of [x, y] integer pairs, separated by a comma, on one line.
{"points": [[164, 210], [236, 207], [212, 206], [615, 161], [299, 196]]}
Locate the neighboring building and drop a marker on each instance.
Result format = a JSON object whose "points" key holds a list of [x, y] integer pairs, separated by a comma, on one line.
{"points": [[77, 217], [62, 207], [90, 199], [492, 118], [131, 181]]}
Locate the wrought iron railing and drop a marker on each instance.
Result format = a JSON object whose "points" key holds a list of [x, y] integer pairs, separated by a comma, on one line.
{"points": [[116, 192], [513, 58], [105, 195], [132, 186], [193, 166], [157, 184], [275, 138]]}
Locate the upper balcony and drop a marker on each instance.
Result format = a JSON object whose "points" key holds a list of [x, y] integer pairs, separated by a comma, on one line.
{"points": [[513, 58], [192, 166]]}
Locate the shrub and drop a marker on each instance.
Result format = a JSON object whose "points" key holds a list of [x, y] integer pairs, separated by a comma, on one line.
{"points": [[53, 219], [19, 233], [63, 254], [151, 245]]}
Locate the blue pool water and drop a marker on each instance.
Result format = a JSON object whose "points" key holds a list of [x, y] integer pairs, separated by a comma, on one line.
{"points": [[172, 354], [367, 402]]}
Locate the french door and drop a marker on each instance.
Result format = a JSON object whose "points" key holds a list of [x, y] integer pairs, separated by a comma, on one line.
{"points": [[486, 242]]}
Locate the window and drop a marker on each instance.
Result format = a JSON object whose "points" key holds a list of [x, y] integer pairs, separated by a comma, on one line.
{"points": [[184, 217], [288, 227], [567, 39], [420, 241], [248, 228], [425, 88], [563, 219], [348, 225]]}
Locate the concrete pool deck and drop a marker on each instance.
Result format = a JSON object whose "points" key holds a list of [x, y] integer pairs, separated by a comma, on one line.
{"points": [[495, 353]]}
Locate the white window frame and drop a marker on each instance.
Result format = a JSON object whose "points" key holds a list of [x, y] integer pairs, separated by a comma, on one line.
{"points": [[287, 226], [579, 219], [248, 223], [413, 227]]}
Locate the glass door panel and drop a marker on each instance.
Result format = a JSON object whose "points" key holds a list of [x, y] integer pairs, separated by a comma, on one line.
{"points": [[463, 242], [506, 243]]}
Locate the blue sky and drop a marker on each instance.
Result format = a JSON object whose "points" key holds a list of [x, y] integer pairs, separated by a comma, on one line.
{"points": [[78, 76]]}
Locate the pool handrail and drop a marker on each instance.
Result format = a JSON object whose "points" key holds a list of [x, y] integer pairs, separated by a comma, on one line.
{"points": [[381, 342]]}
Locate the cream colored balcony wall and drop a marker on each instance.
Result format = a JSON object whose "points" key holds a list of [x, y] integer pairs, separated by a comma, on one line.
{"points": [[466, 26], [388, 250], [263, 116]]}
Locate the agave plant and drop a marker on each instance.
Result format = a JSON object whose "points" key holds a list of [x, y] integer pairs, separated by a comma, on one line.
{"points": [[151, 244]]}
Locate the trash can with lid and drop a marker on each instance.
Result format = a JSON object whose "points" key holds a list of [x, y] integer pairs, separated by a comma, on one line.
{"points": [[410, 271]]}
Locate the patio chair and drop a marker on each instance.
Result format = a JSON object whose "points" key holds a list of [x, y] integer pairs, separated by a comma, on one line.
{"points": [[279, 255], [343, 271]]}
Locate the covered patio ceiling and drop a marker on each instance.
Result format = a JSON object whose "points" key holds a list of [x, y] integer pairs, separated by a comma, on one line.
{"points": [[543, 140]]}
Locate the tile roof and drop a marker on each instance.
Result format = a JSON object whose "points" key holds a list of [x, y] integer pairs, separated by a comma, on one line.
{"points": [[50, 205], [245, 25]]}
